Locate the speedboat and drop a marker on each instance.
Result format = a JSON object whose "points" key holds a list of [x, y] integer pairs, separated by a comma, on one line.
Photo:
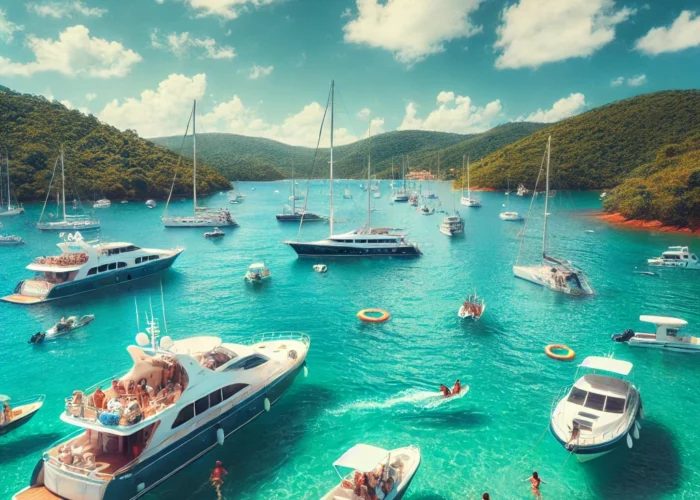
{"points": [[676, 256], [472, 308], [7, 240], [21, 411], [667, 336], [451, 225], [151, 203], [370, 472], [425, 210], [400, 197], [103, 203], [599, 412], [84, 267], [510, 216], [180, 400], [320, 268], [64, 326], [216, 233], [257, 273]]}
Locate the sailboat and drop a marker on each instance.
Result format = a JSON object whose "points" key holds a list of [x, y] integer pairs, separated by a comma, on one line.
{"points": [[11, 209], [557, 274], [508, 215], [68, 222], [213, 218], [363, 242], [431, 195], [468, 201], [400, 195], [294, 214]]}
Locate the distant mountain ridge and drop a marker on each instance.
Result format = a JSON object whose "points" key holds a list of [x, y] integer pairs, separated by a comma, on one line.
{"points": [[253, 158]]}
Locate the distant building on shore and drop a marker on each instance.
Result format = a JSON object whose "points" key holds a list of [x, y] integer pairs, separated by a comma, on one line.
{"points": [[420, 175]]}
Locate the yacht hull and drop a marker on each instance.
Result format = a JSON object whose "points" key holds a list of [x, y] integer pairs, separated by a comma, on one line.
{"points": [[61, 226], [198, 223], [666, 346], [534, 274], [93, 283], [297, 218], [318, 250], [154, 470]]}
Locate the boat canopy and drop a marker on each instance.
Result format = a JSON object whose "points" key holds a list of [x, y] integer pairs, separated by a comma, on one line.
{"points": [[607, 364], [257, 265], [362, 457], [664, 321], [195, 345]]}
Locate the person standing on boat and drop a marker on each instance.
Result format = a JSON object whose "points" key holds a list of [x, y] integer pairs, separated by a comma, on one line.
{"points": [[7, 413]]}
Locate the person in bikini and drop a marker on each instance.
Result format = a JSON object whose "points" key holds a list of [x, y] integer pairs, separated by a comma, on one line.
{"points": [[535, 481], [445, 390]]}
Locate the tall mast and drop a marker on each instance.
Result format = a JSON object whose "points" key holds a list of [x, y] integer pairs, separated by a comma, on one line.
{"points": [[438, 177], [469, 188], [369, 177], [332, 106], [546, 200], [463, 158], [63, 185], [7, 159], [294, 192], [194, 155]]}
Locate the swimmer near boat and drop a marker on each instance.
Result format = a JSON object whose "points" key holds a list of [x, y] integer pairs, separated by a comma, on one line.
{"points": [[217, 478]]}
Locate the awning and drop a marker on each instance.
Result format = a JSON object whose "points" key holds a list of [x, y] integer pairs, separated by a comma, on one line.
{"points": [[607, 364], [362, 457], [664, 320]]}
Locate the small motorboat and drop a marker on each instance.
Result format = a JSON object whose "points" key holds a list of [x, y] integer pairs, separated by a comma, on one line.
{"points": [[452, 224], [151, 204], [426, 210], [667, 336], [320, 268], [257, 273], [216, 233], [64, 326], [599, 412], [510, 216], [367, 471], [7, 240], [676, 256], [14, 414], [102, 203], [472, 308]]}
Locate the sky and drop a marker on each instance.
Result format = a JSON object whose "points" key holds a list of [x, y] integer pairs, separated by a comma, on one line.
{"points": [[263, 67]]}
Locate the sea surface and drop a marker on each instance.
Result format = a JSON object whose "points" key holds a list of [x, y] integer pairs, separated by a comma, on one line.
{"points": [[367, 383]]}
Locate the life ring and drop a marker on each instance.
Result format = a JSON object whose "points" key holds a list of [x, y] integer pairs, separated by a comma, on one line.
{"points": [[549, 351], [364, 315]]}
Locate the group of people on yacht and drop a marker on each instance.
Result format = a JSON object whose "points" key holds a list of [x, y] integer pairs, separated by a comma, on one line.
{"points": [[376, 484], [69, 259]]}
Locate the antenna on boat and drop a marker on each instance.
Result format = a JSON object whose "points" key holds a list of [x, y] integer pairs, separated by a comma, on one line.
{"points": [[136, 305], [162, 303]]}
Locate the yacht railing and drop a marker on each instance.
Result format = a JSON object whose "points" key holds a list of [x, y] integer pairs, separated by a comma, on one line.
{"points": [[14, 403], [272, 336]]}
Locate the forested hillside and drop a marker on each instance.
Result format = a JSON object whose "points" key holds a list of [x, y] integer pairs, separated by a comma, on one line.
{"points": [[100, 160]]}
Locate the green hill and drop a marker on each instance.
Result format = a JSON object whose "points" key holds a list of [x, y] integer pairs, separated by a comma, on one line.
{"points": [[252, 158], [99, 158], [666, 189], [597, 149]]}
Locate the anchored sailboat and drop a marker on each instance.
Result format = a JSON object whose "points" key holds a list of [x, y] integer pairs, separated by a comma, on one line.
{"points": [[294, 214], [363, 242], [468, 201], [508, 215], [11, 209], [557, 274], [213, 218]]}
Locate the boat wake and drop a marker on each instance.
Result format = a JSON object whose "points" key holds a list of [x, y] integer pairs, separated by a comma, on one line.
{"points": [[410, 397]]}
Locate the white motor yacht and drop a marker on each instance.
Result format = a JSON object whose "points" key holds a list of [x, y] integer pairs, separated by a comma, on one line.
{"points": [[370, 472], [452, 224], [676, 256], [103, 203], [180, 400], [83, 267], [599, 412], [522, 190], [151, 203], [666, 336]]}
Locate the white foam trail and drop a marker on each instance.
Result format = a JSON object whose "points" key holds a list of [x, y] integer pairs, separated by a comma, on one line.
{"points": [[414, 397]]}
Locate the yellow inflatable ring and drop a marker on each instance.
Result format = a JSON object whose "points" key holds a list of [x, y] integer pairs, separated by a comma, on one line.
{"points": [[549, 351], [364, 315]]}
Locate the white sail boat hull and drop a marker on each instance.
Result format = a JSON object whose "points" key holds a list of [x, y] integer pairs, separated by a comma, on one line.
{"points": [[198, 222], [79, 225], [553, 278], [12, 212]]}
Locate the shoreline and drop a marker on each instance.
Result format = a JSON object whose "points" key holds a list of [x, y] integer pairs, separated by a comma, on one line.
{"points": [[617, 219]]}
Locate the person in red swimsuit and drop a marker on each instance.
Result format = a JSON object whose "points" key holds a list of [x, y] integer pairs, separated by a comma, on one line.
{"points": [[217, 477]]}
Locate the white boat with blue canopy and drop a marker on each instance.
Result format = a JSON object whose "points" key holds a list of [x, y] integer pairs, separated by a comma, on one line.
{"points": [[599, 412], [372, 472], [667, 335]]}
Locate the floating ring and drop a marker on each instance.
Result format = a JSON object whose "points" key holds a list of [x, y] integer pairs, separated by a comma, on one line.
{"points": [[549, 351], [364, 315]]}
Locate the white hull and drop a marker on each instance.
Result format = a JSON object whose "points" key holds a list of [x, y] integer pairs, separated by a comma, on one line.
{"points": [[679, 264], [12, 212], [666, 346], [192, 222], [510, 216], [67, 226], [468, 202], [446, 231], [543, 276]]}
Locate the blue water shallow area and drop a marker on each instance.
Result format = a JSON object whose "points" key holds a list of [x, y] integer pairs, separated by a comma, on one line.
{"points": [[365, 381]]}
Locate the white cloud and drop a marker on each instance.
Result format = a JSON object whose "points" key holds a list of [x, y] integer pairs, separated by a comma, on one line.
{"points": [[618, 81], [453, 114], [411, 29], [69, 105], [563, 108], [637, 80], [60, 10], [226, 9], [160, 1], [7, 28], [536, 32], [346, 13], [90, 97], [682, 34], [75, 53], [260, 71], [180, 44], [364, 114]]}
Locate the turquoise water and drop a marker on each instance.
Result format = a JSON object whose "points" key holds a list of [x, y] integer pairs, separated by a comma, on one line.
{"points": [[364, 380]]}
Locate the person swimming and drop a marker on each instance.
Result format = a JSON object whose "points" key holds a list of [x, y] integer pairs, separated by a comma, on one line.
{"points": [[217, 477], [535, 481]]}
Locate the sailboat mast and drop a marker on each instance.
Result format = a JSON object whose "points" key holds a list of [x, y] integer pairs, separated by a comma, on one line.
{"points": [[546, 200], [464, 157], [369, 179], [7, 159], [294, 192], [63, 185], [469, 188], [438, 177], [332, 109], [194, 155]]}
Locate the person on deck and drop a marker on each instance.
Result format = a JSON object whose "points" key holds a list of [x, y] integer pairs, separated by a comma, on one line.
{"points": [[457, 388], [445, 391]]}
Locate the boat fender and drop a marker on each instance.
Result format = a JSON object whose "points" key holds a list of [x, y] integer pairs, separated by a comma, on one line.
{"points": [[635, 432], [266, 403], [220, 436], [306, 371], [638, 425], [629, 441], [641, 412], [140, 487]]}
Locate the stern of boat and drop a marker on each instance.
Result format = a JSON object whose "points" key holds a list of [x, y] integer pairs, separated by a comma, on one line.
{"points": [[29, 292]]}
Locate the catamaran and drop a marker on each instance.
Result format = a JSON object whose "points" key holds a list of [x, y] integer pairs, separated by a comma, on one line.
{"points": [[83, 267], [11, 209], [201, 216], [362, 242], [468, 201], [180, 400], [554, 273], [68, 222]]}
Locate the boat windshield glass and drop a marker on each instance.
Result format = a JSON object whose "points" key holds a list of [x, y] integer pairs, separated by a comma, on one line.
{"points": [[594, 401]]}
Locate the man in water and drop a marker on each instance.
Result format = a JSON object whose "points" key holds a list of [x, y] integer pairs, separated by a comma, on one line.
{"points": [[217, 477]]}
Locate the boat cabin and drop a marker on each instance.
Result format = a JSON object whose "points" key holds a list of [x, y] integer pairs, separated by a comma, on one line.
{"points": [[667, 329], [678, 253]]}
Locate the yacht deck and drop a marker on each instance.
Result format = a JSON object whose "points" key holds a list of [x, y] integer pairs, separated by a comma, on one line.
{"points": [[36, 493]]}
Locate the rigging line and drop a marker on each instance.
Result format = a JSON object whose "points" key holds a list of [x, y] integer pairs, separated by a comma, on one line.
{"points": [[532, 201], [48, 191], [313, 162], [179, 162]]}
